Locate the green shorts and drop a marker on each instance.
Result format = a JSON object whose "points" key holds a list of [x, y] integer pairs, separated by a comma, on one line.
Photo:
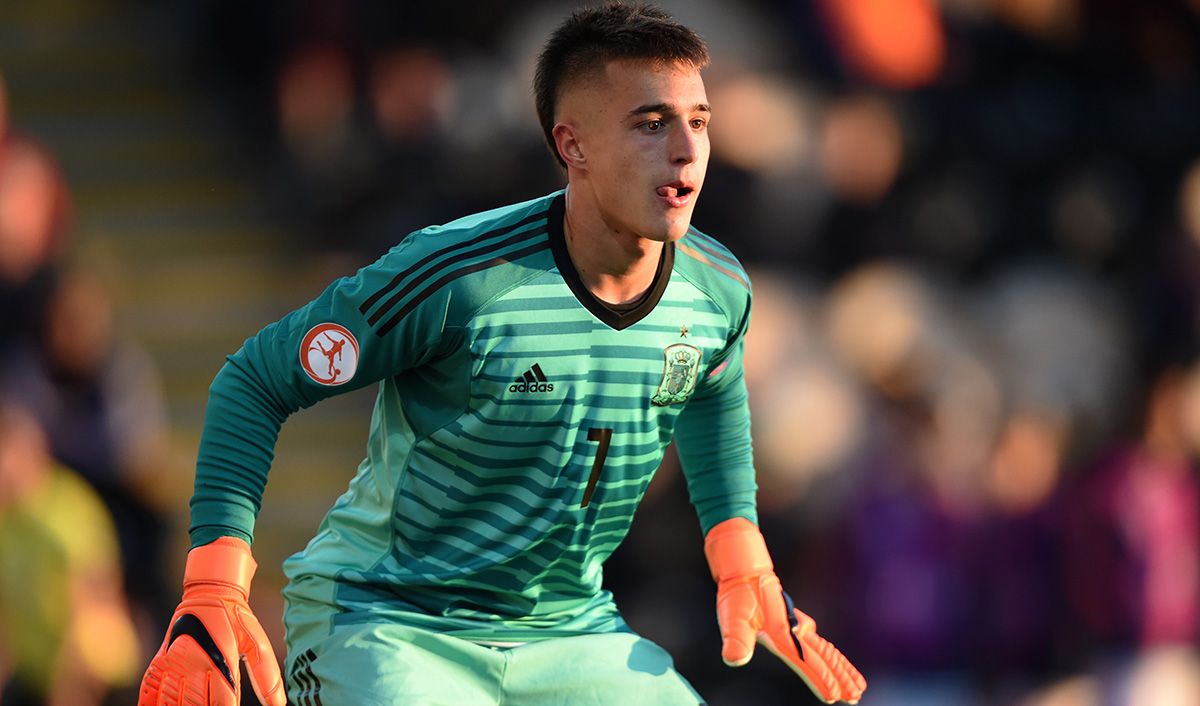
{"points": [[385, 664]]}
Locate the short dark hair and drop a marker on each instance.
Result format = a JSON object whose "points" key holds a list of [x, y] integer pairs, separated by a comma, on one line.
{"points": [[592, 37]]}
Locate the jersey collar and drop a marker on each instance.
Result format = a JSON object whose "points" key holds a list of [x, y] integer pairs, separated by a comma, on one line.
{"points": [[614, 319]]}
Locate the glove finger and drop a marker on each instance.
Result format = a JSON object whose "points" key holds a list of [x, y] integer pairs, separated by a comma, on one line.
{"points": [[813, 671], [740, 619], [170, 692], [177, 690], [782, 637], [196, 680], [151, 684], [850, 682], [844, 679], [849, 679], [261, 664], [815, 653], [207, 630]]}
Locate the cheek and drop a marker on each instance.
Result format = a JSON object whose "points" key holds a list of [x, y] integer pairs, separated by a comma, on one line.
{"points": [[623, 174], [628, 160]]}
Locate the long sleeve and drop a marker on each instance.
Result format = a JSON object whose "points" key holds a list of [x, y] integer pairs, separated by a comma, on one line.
{"points": [[713, 439], [347, 338]]}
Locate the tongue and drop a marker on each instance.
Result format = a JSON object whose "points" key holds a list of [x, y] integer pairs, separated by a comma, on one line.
{"points": [[668, 191]]}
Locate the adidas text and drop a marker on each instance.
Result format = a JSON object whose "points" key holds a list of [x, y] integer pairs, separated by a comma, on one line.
{"points": [[531, 387]]}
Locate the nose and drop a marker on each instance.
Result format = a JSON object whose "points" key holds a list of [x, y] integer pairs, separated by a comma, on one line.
{"points": [[686, 145]]}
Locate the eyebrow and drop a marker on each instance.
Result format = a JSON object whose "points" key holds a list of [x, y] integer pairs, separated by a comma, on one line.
{"points": [[665, 109]]}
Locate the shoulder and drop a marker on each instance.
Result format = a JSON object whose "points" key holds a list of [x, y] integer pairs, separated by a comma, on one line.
{"points": [[465, 262], [713, 269], [479, 233]]}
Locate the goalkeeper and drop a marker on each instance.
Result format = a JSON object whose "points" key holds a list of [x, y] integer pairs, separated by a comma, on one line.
{"points": [[533, 363]]}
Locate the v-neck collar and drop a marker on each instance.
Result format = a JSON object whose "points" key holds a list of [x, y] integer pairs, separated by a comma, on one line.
{"points": [[614, 319]]}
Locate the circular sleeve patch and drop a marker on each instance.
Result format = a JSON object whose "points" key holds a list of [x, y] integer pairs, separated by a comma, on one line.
{"points": [[329, 354]]}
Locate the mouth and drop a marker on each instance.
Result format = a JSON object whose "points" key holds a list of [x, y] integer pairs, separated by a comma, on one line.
{"points": [[677, 194]]}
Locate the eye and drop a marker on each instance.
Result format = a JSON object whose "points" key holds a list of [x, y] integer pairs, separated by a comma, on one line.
{"points": [[653, 125], [698, 123]]}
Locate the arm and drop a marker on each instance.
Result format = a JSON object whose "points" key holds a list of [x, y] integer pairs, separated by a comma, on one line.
{"points": [[329, 346], [326, 348], [713, 441], [713, 436]]}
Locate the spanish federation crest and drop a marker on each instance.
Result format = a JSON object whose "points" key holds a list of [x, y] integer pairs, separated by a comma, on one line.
{"points": [[680, 371]]}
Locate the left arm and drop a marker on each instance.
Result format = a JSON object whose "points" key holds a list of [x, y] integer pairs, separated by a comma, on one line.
{"points": [[712, 436], [713, 439]]}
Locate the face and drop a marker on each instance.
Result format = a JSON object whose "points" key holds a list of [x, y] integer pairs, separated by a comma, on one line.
{"points": [[636, 139]]}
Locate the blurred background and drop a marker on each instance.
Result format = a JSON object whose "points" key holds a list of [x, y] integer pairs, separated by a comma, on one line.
{"points": [[974, 232]]}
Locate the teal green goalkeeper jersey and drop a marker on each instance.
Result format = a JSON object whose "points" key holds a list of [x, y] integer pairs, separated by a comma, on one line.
{"points": [[518, 423]]}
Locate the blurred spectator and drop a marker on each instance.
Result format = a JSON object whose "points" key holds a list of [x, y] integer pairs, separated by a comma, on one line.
{"points": [[100, 401], [806, 409], [896, 43], [1189, 201], [34, 215], [413, 97], [325, 162], [1018, 602], [1046, 19], [66, 638], [1062, 345], [411, 93], [884, 566], [751, 99], [1165, 676], [1133, 542]]}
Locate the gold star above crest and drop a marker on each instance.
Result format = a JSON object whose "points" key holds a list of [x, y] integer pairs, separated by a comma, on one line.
{"points": [[683, 331]]}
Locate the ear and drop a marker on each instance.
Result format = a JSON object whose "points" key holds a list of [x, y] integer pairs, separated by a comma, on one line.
{"points": [[566, 139]]}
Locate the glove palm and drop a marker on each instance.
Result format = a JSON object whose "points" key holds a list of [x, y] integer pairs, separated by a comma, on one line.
{"points": [[197, 664]]}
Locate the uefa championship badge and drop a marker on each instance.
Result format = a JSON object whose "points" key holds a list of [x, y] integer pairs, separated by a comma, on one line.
{"points": [[329, 354], [680, 371]]}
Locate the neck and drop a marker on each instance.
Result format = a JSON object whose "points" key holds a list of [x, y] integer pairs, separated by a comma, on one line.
{"points": [[617, 266]]}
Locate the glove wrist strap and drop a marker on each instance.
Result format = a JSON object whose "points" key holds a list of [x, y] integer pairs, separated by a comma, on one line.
{"points": [[226, 561], [735, 549]]}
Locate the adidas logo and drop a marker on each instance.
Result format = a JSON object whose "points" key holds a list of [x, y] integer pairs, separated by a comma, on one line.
{"points": [[534, 380]]}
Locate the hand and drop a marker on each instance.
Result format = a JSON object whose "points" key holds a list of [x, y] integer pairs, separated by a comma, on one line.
{"points": [[752, 606], [198, 663]]}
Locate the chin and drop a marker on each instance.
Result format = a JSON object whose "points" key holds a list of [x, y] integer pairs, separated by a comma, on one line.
{"points": [[670, 229], [676, 233], [666, 234], [677, 228]]}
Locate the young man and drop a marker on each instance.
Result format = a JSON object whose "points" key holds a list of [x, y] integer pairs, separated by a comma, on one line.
{"points": [[534, 362]]}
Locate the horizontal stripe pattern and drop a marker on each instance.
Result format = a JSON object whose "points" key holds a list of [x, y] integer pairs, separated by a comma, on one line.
{"points": [[496, 487], [486, 517]]}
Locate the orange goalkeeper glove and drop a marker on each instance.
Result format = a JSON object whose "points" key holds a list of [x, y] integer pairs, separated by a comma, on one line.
{"points": [[212, 628], [751, 605]]}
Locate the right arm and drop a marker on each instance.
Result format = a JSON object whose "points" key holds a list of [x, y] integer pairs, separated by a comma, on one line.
{"points": [[266, 381], [360, 330]]}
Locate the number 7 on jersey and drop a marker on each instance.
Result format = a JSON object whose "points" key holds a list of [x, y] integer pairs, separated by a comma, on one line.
{"points": [[604, 436]]}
